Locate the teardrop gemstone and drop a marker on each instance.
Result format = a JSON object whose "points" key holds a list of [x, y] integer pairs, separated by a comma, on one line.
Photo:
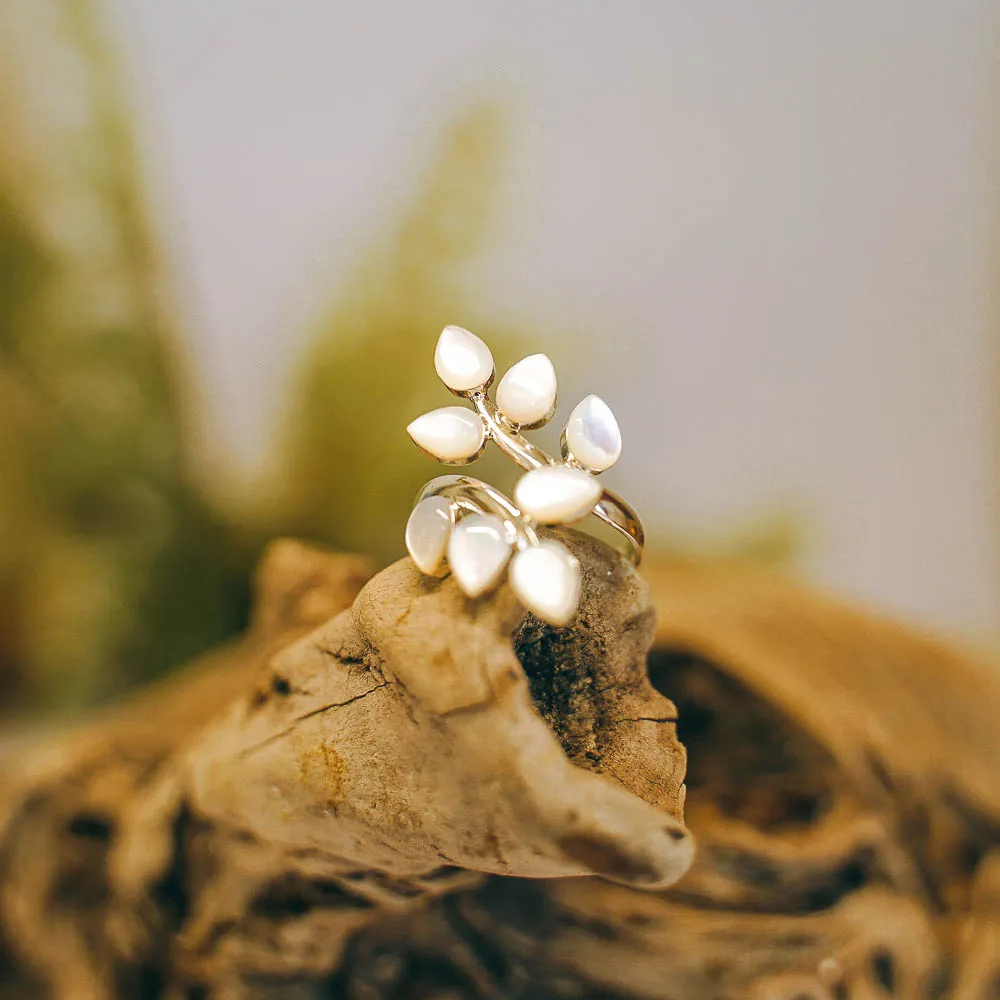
{"points": [[592, 434], [462, 360], [427, 533], [478, 551], [546, 580], [556, 494], [526, 395], [452, 434]]}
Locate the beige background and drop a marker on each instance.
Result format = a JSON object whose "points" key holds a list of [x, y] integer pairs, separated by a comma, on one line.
{"points": [[773, 225]]}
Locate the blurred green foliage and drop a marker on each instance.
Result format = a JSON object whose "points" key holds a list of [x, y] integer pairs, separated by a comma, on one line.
{"points": [[378, 330], [113, 564]]}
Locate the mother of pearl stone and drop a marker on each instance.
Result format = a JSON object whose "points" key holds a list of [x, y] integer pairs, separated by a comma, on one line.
{"points": [[462, 360], [478, 551], [546, 580], [452, 434], [592, 434], [526, 395], [427, 533], [556, 494]]}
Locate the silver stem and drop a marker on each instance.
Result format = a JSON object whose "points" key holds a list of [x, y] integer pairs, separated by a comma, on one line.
{"points": [[614, 511]]}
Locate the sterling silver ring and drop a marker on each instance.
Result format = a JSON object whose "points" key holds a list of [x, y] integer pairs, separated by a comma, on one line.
{"points": [[465, 526]]}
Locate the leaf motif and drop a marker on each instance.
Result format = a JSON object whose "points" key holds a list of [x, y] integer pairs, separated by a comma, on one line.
{"points": [[453, 434], [478, 551], [526, 395], [462, 360], [556, 494], [592, 436], [546, 579]]}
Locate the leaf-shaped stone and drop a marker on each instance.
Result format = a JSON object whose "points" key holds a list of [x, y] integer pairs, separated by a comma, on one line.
{"points": [[452, 434], [526, 395], [462, 360], [592, 435], [478, 551], [546, 580], [556, 494], [427, 533]]}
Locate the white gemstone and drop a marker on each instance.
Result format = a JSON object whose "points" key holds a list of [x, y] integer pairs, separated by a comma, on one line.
{"points": [[556, 494], [546, 580], [427, 533], [452, 434], [526, 395], [462, 360], [478, 551], [592, 434]]}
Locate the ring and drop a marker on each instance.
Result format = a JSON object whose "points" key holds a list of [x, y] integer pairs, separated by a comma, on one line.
{"points": [[465, 526]]}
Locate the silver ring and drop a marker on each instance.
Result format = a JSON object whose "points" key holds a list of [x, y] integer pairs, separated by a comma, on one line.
{"points": [[466, 526]]}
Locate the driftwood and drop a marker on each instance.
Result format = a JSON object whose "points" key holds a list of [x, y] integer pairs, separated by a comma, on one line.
{"points": [[422, 796]]}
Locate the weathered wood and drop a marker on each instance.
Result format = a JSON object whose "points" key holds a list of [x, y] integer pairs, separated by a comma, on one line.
{"points": [[238, 826], [412, 797], [843, 786]]}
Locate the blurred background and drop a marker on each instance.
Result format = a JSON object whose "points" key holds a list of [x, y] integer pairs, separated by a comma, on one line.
{"points": [[230, 232]]}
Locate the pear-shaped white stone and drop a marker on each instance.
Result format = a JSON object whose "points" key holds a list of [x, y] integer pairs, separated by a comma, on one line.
{"points": [[478, 551], [546, 580], [592, 434], [556, 494], [526, 395], [427, 533], [452, 434], [462, 360]]}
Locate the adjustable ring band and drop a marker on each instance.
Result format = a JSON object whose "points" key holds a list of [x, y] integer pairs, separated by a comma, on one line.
{"points": [[475, 496], [480, 497]]}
